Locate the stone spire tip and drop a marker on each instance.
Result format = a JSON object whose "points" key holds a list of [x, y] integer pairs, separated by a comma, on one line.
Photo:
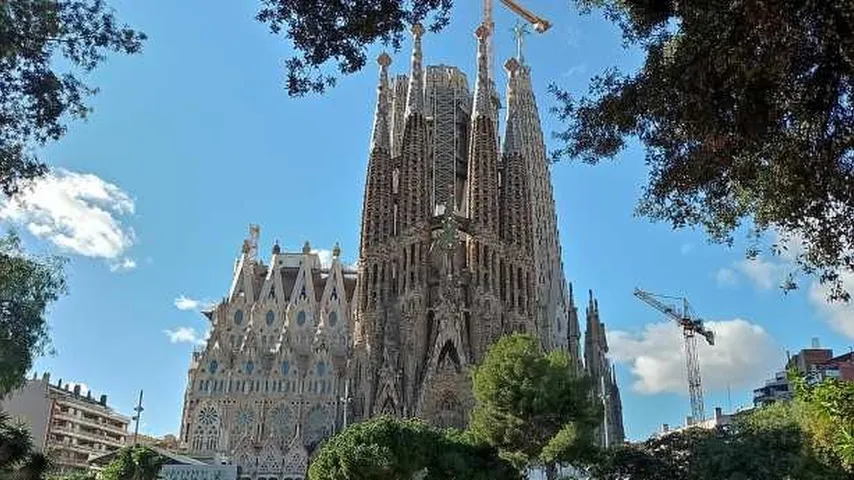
{"points": [[384, 60], [417, 30]]}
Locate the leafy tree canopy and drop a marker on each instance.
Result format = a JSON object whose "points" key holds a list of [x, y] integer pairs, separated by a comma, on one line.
{"points": [[133, 463], [532, 405], [826, 411], [27, 286], [776, 451], [339, 31], [387, 448], [37, 95], [745, 108], [18, 460]]}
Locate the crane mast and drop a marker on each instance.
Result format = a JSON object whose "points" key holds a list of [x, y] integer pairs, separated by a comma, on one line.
{"points": [[691, 327]]}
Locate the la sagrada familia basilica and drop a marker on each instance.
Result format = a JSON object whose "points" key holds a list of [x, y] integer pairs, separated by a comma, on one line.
{"points": [[459, 246]]}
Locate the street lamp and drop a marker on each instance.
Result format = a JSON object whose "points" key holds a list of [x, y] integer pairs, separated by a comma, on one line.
{"points": [[136, 417]]}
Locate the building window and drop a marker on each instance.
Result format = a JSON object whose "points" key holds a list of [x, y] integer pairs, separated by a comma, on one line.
{"points": [[238, 317], [250, 367], [271, 317], [301, 318], [212, 367], [286, 367], [333, 318]]}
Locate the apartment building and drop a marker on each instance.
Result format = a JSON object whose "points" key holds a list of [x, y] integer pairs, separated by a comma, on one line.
{"points": [[66, 424]]}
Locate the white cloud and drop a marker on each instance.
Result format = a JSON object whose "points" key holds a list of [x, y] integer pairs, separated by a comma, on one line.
{"points": [[84, 389], [743, 355], [686, 248], [325, 257], [765, 275], [185, 335], [726, 277], [838, 314], [79, 213], [125, 265], [186, 303]]}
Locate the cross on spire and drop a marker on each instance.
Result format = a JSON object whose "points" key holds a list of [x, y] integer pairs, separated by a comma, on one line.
{"points": [[520, 31]]}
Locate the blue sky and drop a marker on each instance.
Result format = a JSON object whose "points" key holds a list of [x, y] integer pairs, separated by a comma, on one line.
{"points": [[196, 138]]}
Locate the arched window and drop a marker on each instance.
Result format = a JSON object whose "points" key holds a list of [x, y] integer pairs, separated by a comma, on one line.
{"points": [[250, 367], [333, 318], [286, 367], [301, 318], [238, 317], [212, 367], [271, 317]]}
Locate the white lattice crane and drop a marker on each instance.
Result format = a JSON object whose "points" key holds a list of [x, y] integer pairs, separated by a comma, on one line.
{"points": [[691, 327]]}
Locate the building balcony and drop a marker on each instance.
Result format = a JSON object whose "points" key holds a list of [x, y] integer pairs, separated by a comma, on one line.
{"points": [[100, 424], [90, 436]]}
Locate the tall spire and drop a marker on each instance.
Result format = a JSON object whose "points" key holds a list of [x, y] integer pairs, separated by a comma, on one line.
{"points": [[513, 133], [381, 137], [415, 99], [483, 99]]}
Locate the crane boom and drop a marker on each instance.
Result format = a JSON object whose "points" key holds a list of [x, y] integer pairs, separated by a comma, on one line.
{"points": [[540, 24], [690, 328]]}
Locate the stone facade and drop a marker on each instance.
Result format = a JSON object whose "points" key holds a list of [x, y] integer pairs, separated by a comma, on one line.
{"points": [[459, 242], [267, 386], [459, 246]]}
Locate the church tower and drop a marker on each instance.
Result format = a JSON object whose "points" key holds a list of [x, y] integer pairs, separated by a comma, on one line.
{"points": [[600, 371], [459, 238]]}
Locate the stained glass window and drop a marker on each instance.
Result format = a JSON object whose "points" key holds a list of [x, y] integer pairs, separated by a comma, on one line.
{"points": [[213, 366], [286, 367], [301, 318], [321, 369], [238, 317], [271, 317], [250, 366]]}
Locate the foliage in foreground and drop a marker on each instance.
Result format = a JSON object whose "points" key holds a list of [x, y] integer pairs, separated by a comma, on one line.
{"points": [[28, 285], [533, 406], [808, 438], [37, 95], [746, 108], [18, 460], [133, 463], [747, 115], [387, 448]]}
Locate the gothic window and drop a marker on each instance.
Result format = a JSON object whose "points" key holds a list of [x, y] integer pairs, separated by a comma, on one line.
{"points": [[301, 318], [250, 367], [334, 293], [238, 317], [316, 425], [271, 317], [206, 433], [212, 367], [282, 424], [450, 412], [333, 318], [244, 420], [321, 369], [286, 367]]}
